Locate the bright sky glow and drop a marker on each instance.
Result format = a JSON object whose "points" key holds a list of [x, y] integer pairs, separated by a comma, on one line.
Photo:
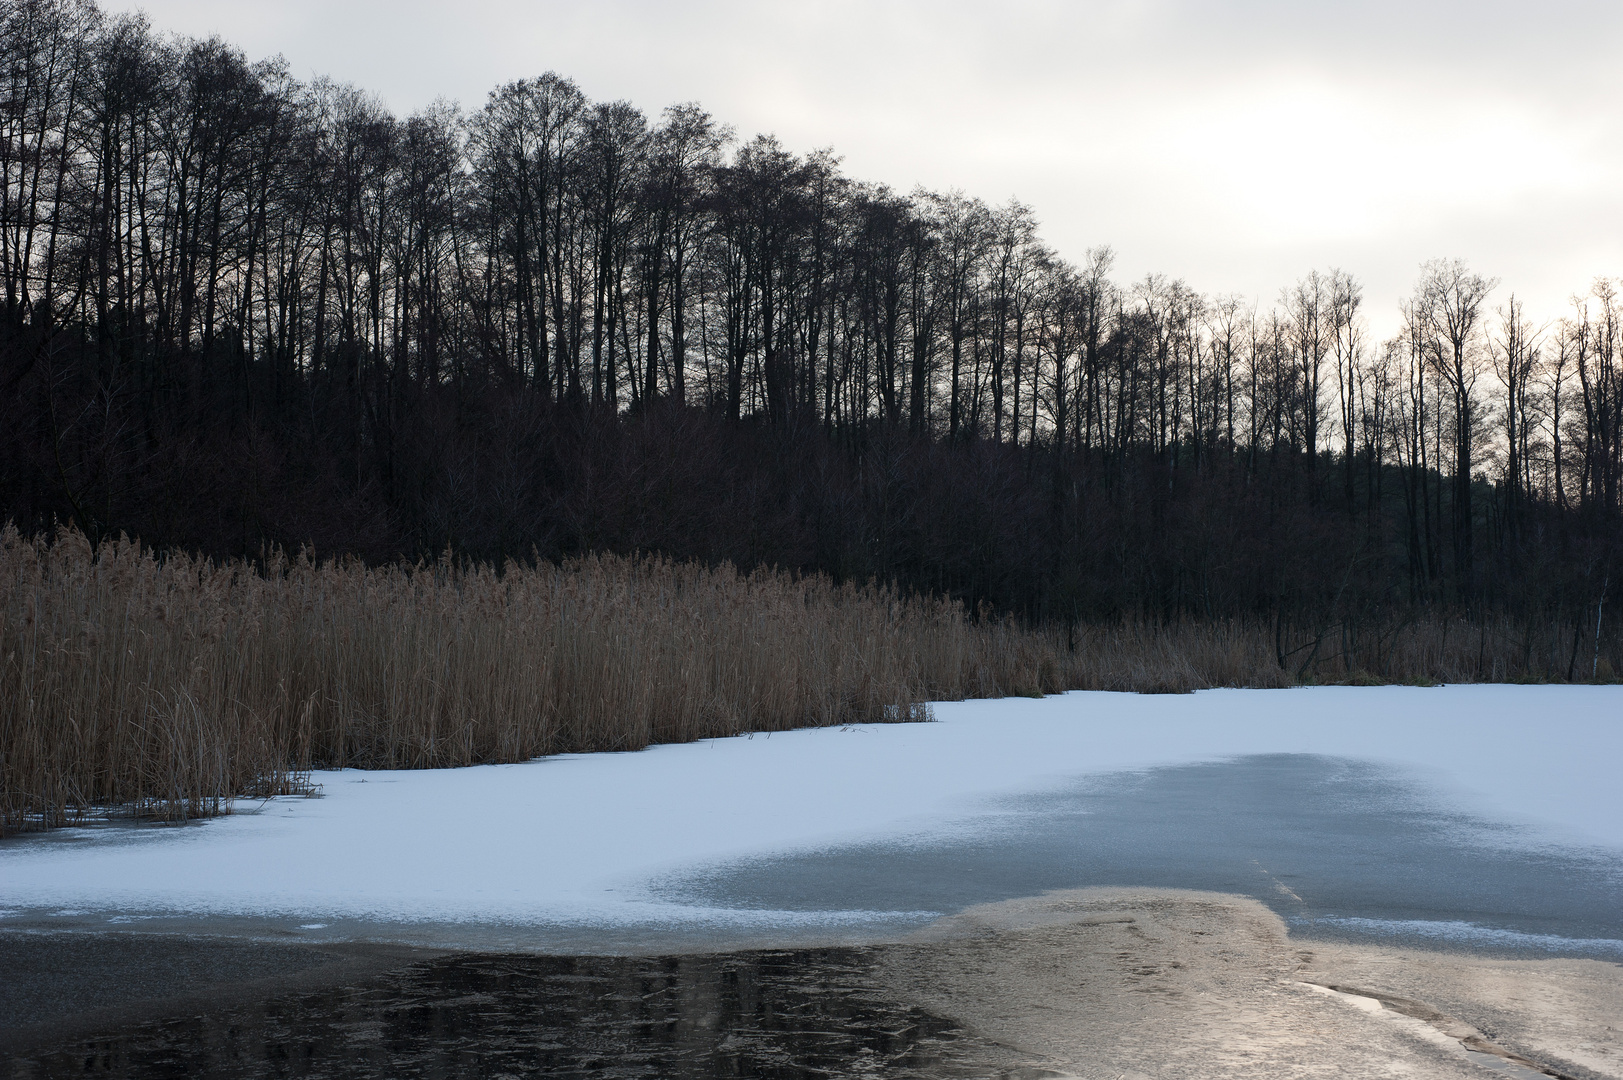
{"points": [[1237, 144]]}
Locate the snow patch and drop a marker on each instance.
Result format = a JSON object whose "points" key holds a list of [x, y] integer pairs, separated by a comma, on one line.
{"points": [[579, 839]]}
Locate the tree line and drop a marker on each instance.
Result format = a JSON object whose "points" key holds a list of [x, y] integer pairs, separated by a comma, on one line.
{"points": [[242, 310]]}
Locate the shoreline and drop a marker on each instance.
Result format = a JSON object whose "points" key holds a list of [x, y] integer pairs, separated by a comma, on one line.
{"points": [[1106, 982], [1115, 982]]}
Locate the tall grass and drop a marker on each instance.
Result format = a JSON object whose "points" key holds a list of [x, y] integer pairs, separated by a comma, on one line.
{"points": [[170, 684]]}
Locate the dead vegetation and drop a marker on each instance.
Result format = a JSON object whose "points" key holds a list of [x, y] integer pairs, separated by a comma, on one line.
{"points": [[168, 684]]}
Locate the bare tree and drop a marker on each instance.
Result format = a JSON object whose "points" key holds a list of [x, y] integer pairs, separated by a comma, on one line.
{"points": [[1347, 348], [1447, 312], [1515, 354]]}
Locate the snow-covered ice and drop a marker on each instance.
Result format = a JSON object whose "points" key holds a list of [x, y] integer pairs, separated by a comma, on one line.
{"points": [[580, 839]]}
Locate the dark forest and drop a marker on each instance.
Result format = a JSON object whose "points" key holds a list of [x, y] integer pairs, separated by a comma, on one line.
{"points": [[243, 312]]}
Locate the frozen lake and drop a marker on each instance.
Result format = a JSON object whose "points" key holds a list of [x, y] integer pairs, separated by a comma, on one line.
{"points": [[1486, 817]]}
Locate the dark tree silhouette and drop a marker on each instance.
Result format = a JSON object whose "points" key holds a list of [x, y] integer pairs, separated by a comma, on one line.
{"points": [[240, 310]]}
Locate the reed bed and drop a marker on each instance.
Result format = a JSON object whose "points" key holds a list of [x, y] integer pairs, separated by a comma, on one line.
{"points": [[1428, 649], [168, 684]]}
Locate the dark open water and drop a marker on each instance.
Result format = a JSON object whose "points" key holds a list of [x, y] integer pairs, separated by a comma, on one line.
{"points": [[793, 1015]]}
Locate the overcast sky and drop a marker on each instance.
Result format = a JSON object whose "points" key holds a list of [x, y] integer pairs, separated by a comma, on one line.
{"points": [[1235, 144]]}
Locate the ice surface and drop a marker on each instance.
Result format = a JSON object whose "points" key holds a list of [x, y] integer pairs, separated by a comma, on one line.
{"points": [[577, 839], [1457, 932]]}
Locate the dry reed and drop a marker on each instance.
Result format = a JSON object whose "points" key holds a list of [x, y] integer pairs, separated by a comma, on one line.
{"points": [[170, 684]]}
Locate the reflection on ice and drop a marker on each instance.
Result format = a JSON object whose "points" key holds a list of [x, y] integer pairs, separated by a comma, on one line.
{"points": [[1316, 838]]}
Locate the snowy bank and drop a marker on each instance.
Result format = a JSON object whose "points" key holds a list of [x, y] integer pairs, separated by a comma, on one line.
{"points": [[580, 839]]}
